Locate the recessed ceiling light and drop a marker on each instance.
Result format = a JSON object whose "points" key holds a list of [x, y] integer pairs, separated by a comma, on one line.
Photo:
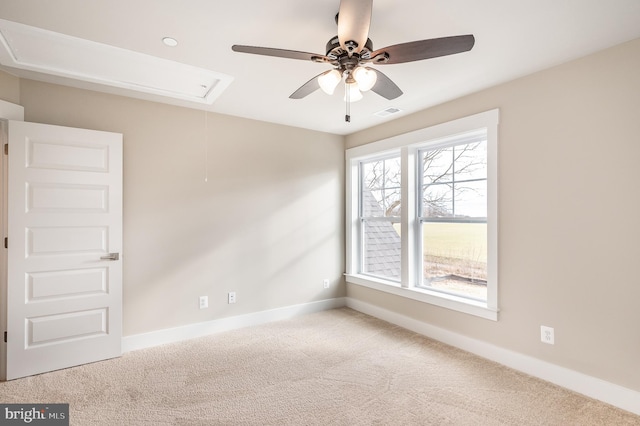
{"points": [[169, 41]]}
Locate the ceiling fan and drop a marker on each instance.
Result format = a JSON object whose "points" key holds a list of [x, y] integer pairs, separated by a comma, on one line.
{"points": [[351, 51]]}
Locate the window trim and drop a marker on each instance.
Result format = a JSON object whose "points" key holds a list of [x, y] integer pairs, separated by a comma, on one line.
{"points": [[408, 145]]}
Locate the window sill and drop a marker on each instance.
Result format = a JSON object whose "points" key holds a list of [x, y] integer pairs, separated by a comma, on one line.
{"points": [[460, 304]]}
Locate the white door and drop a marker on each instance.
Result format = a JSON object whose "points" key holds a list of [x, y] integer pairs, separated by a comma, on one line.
{"points": [[64, 274]]}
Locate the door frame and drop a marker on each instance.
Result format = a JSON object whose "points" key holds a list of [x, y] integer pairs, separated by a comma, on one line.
{"points": [[4, 128], [8, 111]]}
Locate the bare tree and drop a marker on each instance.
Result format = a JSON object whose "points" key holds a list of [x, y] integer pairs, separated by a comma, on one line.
{"points": [[464, 160], [383, 179]]}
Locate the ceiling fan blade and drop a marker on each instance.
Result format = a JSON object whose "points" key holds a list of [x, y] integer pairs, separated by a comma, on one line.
{"points": [[425, 49], [308, 88], [384, 86], [354, 19], [280, 53]]}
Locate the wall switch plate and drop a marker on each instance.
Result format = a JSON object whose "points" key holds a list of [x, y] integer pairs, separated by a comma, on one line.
{"points": [[325, 283], [232, 297], [204, 302], [546, 335]]}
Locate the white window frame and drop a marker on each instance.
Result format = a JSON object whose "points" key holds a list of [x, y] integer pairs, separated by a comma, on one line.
{"points": [[408, 145]]}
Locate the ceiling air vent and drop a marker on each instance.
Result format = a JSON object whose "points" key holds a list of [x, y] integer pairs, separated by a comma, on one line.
{"points": [[387, 112], [32, 49]]}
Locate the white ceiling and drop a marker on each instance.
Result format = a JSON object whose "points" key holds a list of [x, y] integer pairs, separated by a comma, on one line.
{"points": [[513, 38]]}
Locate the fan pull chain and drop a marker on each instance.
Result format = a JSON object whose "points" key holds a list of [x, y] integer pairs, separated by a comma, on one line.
{"points": [[347, 101]]}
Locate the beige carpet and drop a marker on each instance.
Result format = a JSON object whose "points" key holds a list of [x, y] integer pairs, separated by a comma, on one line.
{"points": [[338, 367]]}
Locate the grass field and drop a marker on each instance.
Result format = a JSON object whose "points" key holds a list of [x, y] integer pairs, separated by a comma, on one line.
{"points": [[466, 241], [455, 257], [454, 253]]}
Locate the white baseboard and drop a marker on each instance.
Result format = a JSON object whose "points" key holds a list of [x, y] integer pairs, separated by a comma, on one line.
{"points": [[592, 387], [191, 331]]}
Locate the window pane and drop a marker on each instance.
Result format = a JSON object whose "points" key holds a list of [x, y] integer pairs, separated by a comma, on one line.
{"points": [[381, 249], [372, 203], [437, 165], [470, 199], [470, 161], [381, 180], [455, 258], [392, 173], [437, 201], [373, 175], [392, 202]]}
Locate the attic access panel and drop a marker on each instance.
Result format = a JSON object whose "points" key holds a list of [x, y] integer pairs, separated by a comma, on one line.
{"points": [[34, 49]]}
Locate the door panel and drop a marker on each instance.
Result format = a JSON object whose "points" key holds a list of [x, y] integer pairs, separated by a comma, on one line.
{"points": [[49, 198], [64, 215], [51, 241], [62, 155], [46, 285], [66, 327]]}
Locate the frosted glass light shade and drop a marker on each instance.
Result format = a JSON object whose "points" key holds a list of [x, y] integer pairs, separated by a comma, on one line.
{"points": [[365, 77], [329, 80], [354, 92]]}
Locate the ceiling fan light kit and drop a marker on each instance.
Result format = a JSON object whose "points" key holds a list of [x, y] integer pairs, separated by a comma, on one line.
{"points": [[362, 81], [329, 80], [365, 77], [351, 51], [352, 93]]}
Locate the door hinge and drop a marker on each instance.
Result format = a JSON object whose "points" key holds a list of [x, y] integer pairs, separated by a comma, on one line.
{"points": [[5, 337], [6, 149], [6, 242]]}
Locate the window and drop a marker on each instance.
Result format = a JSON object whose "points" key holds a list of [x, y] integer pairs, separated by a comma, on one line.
{"points": [[380, 205], [453, 217], [422, 215]]}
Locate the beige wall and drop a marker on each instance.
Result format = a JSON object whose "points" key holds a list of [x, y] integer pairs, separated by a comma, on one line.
{"points": [[569, 227], [9, 88], [268, 224]]}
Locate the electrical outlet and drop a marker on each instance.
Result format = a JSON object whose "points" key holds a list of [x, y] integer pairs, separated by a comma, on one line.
{"points": [[325, 283], [546, 335], [204, 302], [232, 297]]}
